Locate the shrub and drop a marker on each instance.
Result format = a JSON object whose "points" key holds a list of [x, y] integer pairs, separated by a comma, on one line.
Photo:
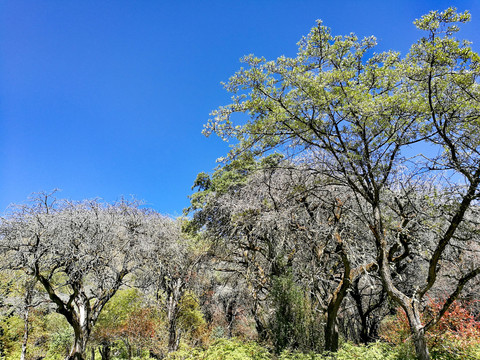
{"points": [[294, 325], [225, 349], [373, 351], [296, 355], [455, 336], [348, 351]]}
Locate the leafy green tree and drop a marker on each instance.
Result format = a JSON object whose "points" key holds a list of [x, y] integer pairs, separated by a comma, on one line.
{"points": [[353, 114]]}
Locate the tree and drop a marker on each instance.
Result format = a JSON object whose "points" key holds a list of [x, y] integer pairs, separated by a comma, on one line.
{"points": [[284, 219], [354, 115], [80, 252], [171, 269]]}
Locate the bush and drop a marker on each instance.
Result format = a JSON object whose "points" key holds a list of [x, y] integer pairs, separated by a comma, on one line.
{"points": [[234, 349], [296, 355], [294, 324], [225, 349], [455, 336], [373, 351]]}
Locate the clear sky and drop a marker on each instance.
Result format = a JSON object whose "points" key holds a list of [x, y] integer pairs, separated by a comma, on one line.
{"points": [[108, 98]]}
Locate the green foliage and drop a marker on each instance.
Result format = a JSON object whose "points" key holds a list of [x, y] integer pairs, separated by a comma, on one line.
{"points": [[233, 349], [225, 349], [127, 319], [11, 335], [297, 355], [228, 177], [190, 318], [374, 351], [348, 351], [232, 174], [289, 325], [50, 336], [117, 310], [456, 336], [59, 343]]}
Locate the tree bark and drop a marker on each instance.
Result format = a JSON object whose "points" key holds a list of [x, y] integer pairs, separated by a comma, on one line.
{"points": [[81, 321], [421, 348], [104, 350], [172, 335], [25, 332], [26, 316], [331, 326], [174, 296], [331, 334], [411, 309], [259, 327], [79, 346], [230, 316]]}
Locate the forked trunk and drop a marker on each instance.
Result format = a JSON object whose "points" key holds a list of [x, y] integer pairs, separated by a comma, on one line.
{"points": [[81, 332]]}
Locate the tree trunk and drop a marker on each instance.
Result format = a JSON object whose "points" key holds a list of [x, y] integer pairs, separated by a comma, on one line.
{"points": [[421, 348], [331, 327], [82, 333], [25, 332], [78, 348], [104, 350], [29, 285], [230, 317], [331, 334], [413, 315], [174, 295], [172, 335], [260, 328], [418, 333]]}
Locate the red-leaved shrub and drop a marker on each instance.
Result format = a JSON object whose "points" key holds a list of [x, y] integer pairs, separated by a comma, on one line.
{"points": [[456, 332]]}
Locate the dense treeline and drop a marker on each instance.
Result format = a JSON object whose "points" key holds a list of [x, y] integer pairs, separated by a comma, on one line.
{"points": [[319, 228]]}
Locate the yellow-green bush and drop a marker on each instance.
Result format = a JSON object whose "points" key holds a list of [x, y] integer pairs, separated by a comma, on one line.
{"points": [[225, 349]]}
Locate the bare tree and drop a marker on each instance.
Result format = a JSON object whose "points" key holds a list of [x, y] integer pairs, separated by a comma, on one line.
{"points": [[283, 219], [80, 252], [172, 268]]}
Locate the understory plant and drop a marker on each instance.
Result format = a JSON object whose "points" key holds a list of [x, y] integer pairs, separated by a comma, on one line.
{"points": [[455, 336]]}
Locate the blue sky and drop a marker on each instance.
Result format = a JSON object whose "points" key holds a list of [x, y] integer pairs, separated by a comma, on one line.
{"points": [[108, 98]]}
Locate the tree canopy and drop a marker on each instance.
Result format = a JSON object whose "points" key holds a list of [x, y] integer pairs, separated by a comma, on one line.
{"points": [[356, 115]]}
